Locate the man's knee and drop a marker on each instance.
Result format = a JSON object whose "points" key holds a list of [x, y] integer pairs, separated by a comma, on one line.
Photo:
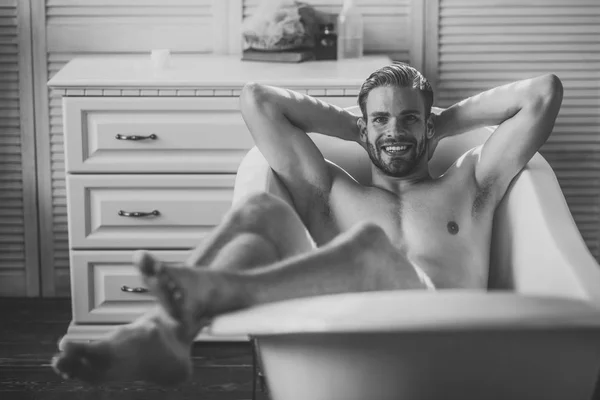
{"points": [[259, 209], [374, 248], [366, 240], [369, 235]]}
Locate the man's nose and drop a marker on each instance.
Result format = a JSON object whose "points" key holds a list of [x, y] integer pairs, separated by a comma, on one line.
{"points": [[398, 129]]}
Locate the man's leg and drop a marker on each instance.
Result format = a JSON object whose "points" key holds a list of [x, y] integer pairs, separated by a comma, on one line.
{"points": [[155, 347], [362, 259], [262, 230], [245, 240]]}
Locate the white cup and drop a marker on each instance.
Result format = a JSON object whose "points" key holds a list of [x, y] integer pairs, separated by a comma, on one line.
{"points": [[160, 59]]}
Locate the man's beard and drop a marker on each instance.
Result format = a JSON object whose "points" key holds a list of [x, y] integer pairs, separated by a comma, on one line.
{"points": [[398, 166]]}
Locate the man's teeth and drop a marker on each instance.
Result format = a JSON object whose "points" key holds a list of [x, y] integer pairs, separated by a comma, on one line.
{"points": [[392, 149]]}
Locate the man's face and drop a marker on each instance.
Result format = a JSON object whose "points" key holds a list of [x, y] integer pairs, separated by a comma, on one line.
{"points": [[396, 130]]}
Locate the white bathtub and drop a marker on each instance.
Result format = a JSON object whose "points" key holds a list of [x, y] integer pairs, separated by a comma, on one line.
{"points": [[534, 335]]}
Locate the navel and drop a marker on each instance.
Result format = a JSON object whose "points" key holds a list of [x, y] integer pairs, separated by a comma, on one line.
{"points": [[452, 228]]}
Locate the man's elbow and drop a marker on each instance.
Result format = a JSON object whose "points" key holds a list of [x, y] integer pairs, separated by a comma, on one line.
{"points": [[253, 94], [258, 102]]}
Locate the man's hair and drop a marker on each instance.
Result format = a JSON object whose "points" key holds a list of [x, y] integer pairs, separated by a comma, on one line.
{"points": [[396, 74]]}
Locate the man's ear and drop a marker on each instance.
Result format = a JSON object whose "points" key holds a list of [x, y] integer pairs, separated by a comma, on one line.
{"points": [[362, 131], [432, 138], [430, 126]]}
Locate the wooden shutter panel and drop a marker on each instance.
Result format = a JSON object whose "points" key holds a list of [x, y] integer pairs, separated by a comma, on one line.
{"points": [[18, 215], [487, 43]]}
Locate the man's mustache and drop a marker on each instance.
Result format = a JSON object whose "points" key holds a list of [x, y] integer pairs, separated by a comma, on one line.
{"points": [[401, 140]]}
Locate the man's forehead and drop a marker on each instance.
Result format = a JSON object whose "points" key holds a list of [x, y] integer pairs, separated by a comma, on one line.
{"points": [[388, 98]]}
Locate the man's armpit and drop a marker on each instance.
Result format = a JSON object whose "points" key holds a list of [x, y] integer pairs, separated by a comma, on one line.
{"points": [[320, 203], [485, 193], [484, 197]]}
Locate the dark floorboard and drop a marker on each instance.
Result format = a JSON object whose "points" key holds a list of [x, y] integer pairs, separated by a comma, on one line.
{"points": [[29, 333]]}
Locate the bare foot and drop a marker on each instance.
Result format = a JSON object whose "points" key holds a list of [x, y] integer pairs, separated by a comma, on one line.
{"points": [[191, 295], [149, 349], [156, 347]]}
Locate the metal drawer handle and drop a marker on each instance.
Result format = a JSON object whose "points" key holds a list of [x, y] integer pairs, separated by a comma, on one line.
{"points": [[138, 213], [126, 288], [135, 137]]}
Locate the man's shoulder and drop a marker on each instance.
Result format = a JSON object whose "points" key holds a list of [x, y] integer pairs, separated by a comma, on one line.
{"points": [[340, 176], [460, 177], [463, 168]]}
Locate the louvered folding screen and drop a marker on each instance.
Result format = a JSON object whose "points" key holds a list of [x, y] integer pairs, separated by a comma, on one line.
{"points": [[482, 43], [387, 23], [95, 27], [485, 43], [18, 223]]}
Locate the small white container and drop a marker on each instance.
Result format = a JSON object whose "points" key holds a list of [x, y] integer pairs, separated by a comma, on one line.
{"points": [[161, 59]]}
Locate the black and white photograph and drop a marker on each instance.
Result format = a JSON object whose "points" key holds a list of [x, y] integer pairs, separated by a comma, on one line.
{"points": [[300, 199]]}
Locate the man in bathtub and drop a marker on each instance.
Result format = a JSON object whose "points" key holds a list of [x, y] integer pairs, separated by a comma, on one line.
{"points": [[408, 231]]}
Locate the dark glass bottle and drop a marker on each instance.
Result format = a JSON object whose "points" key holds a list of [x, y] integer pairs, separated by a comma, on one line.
{"points": [[326, 43]]}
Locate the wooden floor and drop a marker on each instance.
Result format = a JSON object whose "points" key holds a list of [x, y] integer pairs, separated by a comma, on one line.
{"points": [[31, 328]]}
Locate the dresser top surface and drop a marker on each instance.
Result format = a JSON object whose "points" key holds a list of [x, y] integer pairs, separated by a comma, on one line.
{"points": [[197, 71]]}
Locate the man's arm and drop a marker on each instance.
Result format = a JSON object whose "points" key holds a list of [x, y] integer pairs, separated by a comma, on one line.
{"points": [[525, 112], [278, 120]]}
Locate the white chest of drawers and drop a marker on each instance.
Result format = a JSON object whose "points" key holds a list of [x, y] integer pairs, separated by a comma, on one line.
{"points": [[150, 163]]}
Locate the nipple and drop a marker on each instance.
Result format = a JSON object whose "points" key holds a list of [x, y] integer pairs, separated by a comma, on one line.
{"points": [[452, 227]]}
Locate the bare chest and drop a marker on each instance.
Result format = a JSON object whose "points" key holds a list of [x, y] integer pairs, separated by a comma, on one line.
{"points": [[438, 228], [416, 223]]}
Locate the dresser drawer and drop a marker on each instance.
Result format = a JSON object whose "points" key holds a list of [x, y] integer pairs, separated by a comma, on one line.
{"points": [[101, 209], [97, 281], [181, 134]]}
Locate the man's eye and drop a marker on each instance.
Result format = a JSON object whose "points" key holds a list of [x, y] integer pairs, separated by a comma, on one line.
{"points": [[411, 118], [379, 120]]}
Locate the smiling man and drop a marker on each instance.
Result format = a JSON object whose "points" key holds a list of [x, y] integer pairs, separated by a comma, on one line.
{"points": [[441, 227], [407, 230], [394, 103]]}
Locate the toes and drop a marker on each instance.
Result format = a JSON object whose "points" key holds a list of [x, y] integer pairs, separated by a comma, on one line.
{"points": [[66, 363], [59, 366], [161, 281], [81, 361], [146, 262], [171, 293], [171, 287]]}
